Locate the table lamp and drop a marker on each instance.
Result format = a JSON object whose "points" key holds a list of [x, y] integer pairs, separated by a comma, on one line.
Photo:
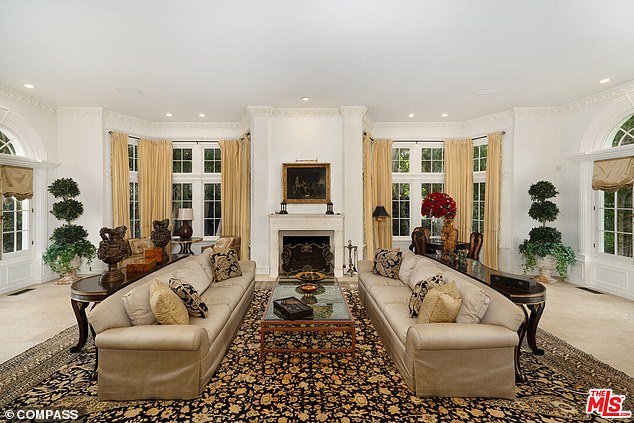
{"points": [[185, 231]]}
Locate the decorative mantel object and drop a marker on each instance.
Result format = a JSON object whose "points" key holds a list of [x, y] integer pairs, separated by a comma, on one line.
{"points": [[283, 208], [329, 208], [161, 235], [185, 231], [440, 204], [112, 249]]}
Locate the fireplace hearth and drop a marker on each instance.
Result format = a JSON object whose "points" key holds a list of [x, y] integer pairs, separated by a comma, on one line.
{"points": [[306, 254]]}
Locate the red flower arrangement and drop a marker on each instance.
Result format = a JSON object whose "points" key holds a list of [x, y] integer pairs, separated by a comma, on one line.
{"points": [[439, 204]]}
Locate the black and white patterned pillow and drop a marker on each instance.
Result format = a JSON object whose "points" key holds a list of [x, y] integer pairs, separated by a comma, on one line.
{"points": [[190, 297], [387, 263], [420, 290], [225, 265]]}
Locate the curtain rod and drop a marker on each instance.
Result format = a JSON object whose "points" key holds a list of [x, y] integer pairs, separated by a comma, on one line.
{"points": [[248, 134], [417, 141]]}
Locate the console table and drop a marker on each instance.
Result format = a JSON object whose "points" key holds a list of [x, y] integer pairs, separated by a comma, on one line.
{"points": [[185, 244], [91, 290], [531, 297]]}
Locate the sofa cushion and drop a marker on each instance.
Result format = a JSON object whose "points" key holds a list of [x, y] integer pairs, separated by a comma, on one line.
{"points": [[190, 297], [384, 295], [229, 295], [420, 291], [408, 263], [399, 320], [139, 245], [441, 305], [225, 265], [204, 259], [166, 306], [387, 263], [137, 305], [424, 269], [475, 303], [216, 320], [191, 272]]}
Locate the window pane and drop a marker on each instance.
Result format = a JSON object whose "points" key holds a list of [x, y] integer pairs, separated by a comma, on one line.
{"points": [[177, 154], [624, 221], [624, 244], [187, 167], [7, 241], [624, 198], [437, 154], [608, 242], [608, 220], [437, 167], [425, 166], [608, 199]]}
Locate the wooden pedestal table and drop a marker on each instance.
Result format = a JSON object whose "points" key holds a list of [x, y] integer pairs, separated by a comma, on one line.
{"points": [[185, 244]]}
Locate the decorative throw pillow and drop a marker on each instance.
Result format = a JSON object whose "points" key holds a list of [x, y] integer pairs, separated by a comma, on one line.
{"points": [[190, 270], [225, 265], [139, 245], [137, 305], [190, 297], [441, 305], [204, 261], [475, 303], [387, 263], [408, 263], [420, 291], [166, 306]]}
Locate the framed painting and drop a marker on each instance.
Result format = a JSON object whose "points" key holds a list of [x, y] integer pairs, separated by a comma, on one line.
{"points": [[306, 183]]}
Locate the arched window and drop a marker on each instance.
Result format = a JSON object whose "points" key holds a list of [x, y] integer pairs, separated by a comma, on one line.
{"points": [[15, 213], [616, 235]]}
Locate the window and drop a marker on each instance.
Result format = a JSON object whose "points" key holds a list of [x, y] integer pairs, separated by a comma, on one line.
{"points": [[400, 209], [400, 160], [478, 207], [480, 158], [212, 160], [15, 213], [426, 222], [432, 160], [182, 160], [14, 228], [212, 209], [616, 209], [181, 199], [134, 228], [133, 157]]}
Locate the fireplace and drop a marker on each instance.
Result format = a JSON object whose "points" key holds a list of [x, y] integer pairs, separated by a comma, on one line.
{"points": [[305, 225], [306, 253]]}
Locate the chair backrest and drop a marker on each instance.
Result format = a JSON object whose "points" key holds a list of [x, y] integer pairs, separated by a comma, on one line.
{"points": [[475, 245], [419, 241]]}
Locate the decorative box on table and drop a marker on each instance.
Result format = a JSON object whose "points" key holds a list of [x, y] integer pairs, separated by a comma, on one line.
{"points": [[292, 308], [154, 254], [141, 265]]}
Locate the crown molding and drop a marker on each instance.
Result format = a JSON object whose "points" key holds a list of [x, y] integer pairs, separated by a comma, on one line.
{"points": [[353, 111], [495, 118], [125, 122], [260, 111], [417, 125], [20, 97], [80, 111], [306, 112], [194, 126], [368, 122], [624, 90], [537, 111]]}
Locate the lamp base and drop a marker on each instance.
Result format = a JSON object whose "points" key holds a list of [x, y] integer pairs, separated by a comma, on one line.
{"points": [[185, 232]]}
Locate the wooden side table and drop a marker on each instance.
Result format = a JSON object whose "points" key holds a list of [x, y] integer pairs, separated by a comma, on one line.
{"points": [[185, 244]]}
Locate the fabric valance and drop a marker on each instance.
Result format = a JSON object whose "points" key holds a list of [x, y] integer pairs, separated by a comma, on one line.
{"points": [[613, 174], [16, 182]]}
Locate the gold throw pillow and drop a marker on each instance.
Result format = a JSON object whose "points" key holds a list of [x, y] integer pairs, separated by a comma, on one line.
{"points": [[166, 306], [440, 305]]}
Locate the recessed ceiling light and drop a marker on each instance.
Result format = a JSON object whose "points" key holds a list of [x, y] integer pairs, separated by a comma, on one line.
{"points": [[201, 115], [488, 91], [305, 98], [169, 114], [29, 86], [604, 81], [411, 115], [445, 114]]}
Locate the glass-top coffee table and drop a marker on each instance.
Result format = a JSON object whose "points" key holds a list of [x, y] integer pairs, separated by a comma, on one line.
{"points": [[330, 314]]}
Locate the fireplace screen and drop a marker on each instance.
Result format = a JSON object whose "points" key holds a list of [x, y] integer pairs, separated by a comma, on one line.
{"points": [[306, 254]]}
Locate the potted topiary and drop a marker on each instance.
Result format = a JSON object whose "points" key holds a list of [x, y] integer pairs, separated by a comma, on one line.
{"points": [[544, 249], [70, 246]]}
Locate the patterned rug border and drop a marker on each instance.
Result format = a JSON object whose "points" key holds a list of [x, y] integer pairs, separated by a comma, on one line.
{"points": [[26, 371]]}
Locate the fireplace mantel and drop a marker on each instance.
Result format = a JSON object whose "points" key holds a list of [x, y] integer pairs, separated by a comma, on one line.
{"points": [[305, 224]]}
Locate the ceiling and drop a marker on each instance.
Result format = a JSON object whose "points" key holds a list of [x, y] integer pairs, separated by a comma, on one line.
{"points": [[145, 58]]}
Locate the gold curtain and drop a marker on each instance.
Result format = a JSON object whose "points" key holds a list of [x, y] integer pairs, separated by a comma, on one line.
{"points": [[382, 190], [155, 182], [491, 234], [459, 183], [368, 199], [120, 170], [16, 182], [235, 207], [613, 174]]}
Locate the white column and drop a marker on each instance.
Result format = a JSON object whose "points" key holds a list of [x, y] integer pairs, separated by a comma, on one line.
{"points": [[353, 174]]}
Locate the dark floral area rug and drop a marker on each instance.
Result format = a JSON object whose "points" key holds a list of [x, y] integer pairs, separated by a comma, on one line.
{"points": [[288, 388]]}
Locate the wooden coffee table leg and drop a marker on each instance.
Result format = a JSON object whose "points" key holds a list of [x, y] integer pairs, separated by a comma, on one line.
{"points": [[519, 375], [79, 308]]}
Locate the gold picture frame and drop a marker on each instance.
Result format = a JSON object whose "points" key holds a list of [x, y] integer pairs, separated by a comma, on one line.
{"points": [[306, 183]]}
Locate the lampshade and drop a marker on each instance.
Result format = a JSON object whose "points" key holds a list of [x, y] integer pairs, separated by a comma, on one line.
{"points": [[185, 214], [380, 212]]}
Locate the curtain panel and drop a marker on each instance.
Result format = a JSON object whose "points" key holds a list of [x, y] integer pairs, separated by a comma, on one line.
{"points": [[16, 182], [492, 190], [382, 190], [613, 174], [120, 171], [368, 199], [155, 182], [459, 183], [235, 194]]}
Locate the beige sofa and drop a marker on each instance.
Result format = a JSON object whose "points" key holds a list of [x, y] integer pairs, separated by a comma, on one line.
{"points": [[146, 361], [443, 359]]}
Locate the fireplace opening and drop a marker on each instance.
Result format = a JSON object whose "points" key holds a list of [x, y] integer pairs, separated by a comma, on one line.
{"points": [[306, 254]]}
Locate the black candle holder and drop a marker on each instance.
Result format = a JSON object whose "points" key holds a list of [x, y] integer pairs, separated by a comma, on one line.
{"points": [[283, 208], [329, 208]]}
